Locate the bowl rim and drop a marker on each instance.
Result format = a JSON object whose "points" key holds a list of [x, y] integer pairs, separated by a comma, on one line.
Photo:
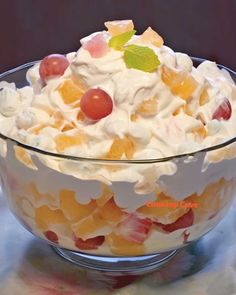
{"points": [[96, 160]]}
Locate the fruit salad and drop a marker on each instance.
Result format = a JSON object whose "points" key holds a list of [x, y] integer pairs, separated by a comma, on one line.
{"points": [[107, 124]]}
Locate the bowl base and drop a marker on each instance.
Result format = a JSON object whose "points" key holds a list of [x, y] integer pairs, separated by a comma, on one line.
{"points": [[135, 265]]}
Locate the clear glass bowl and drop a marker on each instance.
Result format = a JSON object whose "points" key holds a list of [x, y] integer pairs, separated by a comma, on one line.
{"points": [[87, 221]]}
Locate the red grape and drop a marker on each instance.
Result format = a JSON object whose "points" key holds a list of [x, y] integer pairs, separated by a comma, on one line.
{"points": [[223, 111], [53, 65], [96, 104], [51, 236]]}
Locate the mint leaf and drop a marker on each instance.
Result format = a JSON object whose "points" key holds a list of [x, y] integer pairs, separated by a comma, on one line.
{"points": [[119, 41], [141, 58]]}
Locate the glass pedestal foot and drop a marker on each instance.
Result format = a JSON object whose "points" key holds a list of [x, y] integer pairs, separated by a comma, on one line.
{"points": [[135, 265]]}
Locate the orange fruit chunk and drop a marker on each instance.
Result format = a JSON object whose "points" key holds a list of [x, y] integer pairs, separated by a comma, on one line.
{"points": [[24, 157], [88, 225], [44, 217], [118, 27], [70, 91], [201, 132], [179, 82], [72, 209], [148, 107], [105, 196], [134, 117], [64, 141], [110, 212], [120, 246], [153, 37], [80, 116], [121, 146]]}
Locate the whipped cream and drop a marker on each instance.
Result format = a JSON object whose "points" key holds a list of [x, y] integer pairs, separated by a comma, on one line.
{"points": [[168, 131]]}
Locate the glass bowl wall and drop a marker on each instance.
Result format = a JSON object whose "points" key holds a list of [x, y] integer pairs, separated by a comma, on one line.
{"points": [[104, 226]]}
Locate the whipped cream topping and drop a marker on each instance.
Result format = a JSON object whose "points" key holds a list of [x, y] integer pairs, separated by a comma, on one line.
{"points": [[168, 131]]}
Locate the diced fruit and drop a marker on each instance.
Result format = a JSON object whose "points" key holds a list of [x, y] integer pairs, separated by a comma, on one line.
{"points": [[134, 117], [201, 132], [110, 212], [184, 221], [44, 217], [172, 77], [89, 244], [53, 65], [164, 213], [119, 27], [96, 104], [106, 195], [121, 146], [64, 141], [134, 229], [88, 225], [120, 246], [72, 209], [186, 88], [223, 111], [80, 117], [148, 107], [179, 82], [24, 157], [51, 236], [204, 97], [153, 37], [97, 46], [70, 91]]}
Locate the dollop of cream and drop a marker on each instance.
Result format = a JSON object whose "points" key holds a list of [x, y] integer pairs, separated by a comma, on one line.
{"points": [[9, 101]]}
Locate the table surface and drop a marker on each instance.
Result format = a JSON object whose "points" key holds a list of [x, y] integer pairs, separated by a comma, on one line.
{"points": [[29, 266]]}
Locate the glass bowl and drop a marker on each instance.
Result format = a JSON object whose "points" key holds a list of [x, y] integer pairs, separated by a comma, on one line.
{"points": [[108, 226]]}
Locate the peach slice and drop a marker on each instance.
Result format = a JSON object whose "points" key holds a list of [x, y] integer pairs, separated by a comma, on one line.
{"points": [[121, 146], [44, 217], [64, 141], [179, 82], [119, 27], [120, 246], [153, 37], [72, 210], [148, 107], [70, 91]]}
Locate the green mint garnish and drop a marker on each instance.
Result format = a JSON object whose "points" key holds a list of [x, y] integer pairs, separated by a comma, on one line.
{"points": [[119, 41], [141, 58]]}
